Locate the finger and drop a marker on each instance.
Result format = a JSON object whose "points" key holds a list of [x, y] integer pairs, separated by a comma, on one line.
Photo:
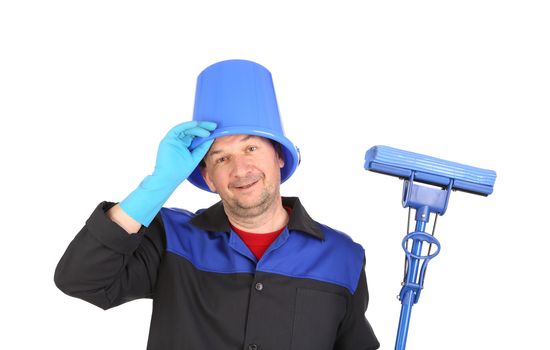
{"points": [[199, 152], [188, 135], [208, 125], [196, 131], [178, 129]]}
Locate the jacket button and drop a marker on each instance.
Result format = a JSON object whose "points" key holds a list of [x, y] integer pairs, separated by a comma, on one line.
{"points": [[259, 286], [252, 347]]}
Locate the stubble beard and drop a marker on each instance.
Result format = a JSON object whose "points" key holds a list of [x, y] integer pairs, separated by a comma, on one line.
{"points": [[249, 210]]}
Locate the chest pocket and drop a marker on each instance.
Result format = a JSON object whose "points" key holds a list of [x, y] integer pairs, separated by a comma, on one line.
{"points": [[316, 319]]}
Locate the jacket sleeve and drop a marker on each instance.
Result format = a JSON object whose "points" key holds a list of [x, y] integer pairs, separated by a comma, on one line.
{"points": [[106, 266], [355, 332]]}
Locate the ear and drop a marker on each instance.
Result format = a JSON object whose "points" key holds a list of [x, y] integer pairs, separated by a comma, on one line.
{"points": [[207, 179], [281, 159]]}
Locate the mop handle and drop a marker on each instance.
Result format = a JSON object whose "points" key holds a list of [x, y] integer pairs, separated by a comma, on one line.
{"points": [[425, 200], [414, 279]]}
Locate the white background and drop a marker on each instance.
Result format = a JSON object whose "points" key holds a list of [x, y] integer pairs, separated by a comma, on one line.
{"points": [[89, 88]]}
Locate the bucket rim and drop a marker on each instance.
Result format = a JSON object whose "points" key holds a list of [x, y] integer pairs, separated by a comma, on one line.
{"points": [[288, 148]]}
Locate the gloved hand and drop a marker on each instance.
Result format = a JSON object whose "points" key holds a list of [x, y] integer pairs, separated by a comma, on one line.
{"points": [[174, 164]]}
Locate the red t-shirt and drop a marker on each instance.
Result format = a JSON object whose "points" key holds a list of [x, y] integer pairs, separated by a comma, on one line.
{"points": [[259, 242]]}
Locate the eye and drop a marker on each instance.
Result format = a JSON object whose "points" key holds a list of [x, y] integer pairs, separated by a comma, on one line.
{"points": [[221, 160], [252, 148]]}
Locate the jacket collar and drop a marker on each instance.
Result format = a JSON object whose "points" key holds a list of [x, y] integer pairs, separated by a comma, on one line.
{"points": [[214, 219]]}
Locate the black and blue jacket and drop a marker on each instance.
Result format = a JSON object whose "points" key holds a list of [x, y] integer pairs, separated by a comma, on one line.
{"points": [[307, 292]]}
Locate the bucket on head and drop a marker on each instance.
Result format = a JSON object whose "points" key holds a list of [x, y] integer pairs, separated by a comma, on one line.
{"points": [[238, 95]]}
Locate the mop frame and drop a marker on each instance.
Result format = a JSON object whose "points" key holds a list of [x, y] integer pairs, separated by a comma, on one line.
{"points": [[445, 176]]}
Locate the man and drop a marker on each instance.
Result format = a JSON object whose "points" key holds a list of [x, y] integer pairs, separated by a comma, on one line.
{"points": [[254, 271]]}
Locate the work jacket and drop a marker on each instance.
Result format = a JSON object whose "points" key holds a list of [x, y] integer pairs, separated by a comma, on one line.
{"points": [[307, 292]]}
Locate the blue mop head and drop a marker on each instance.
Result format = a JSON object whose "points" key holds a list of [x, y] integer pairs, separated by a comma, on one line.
{"points": [[430, 170]]}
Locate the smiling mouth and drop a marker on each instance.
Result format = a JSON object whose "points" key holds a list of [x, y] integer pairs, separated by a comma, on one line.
{"points": [[247, 186]]}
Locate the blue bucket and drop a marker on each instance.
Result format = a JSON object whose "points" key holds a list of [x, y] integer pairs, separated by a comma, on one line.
{"points": [[239, 96]]}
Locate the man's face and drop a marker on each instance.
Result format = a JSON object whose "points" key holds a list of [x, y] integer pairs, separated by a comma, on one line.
{"points": [[245, 171]]}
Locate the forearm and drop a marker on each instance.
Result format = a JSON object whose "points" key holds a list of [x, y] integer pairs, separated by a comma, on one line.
{"points": [[119, 216]]}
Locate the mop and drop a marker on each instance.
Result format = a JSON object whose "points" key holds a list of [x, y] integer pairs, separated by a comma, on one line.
{"points": [[441, 176]]}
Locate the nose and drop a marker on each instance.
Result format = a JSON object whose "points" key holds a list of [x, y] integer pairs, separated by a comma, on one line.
{"points": [[242, 166]]}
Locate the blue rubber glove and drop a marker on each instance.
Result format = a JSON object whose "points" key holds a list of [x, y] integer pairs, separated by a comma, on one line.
{"points": [[174, 164]]}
